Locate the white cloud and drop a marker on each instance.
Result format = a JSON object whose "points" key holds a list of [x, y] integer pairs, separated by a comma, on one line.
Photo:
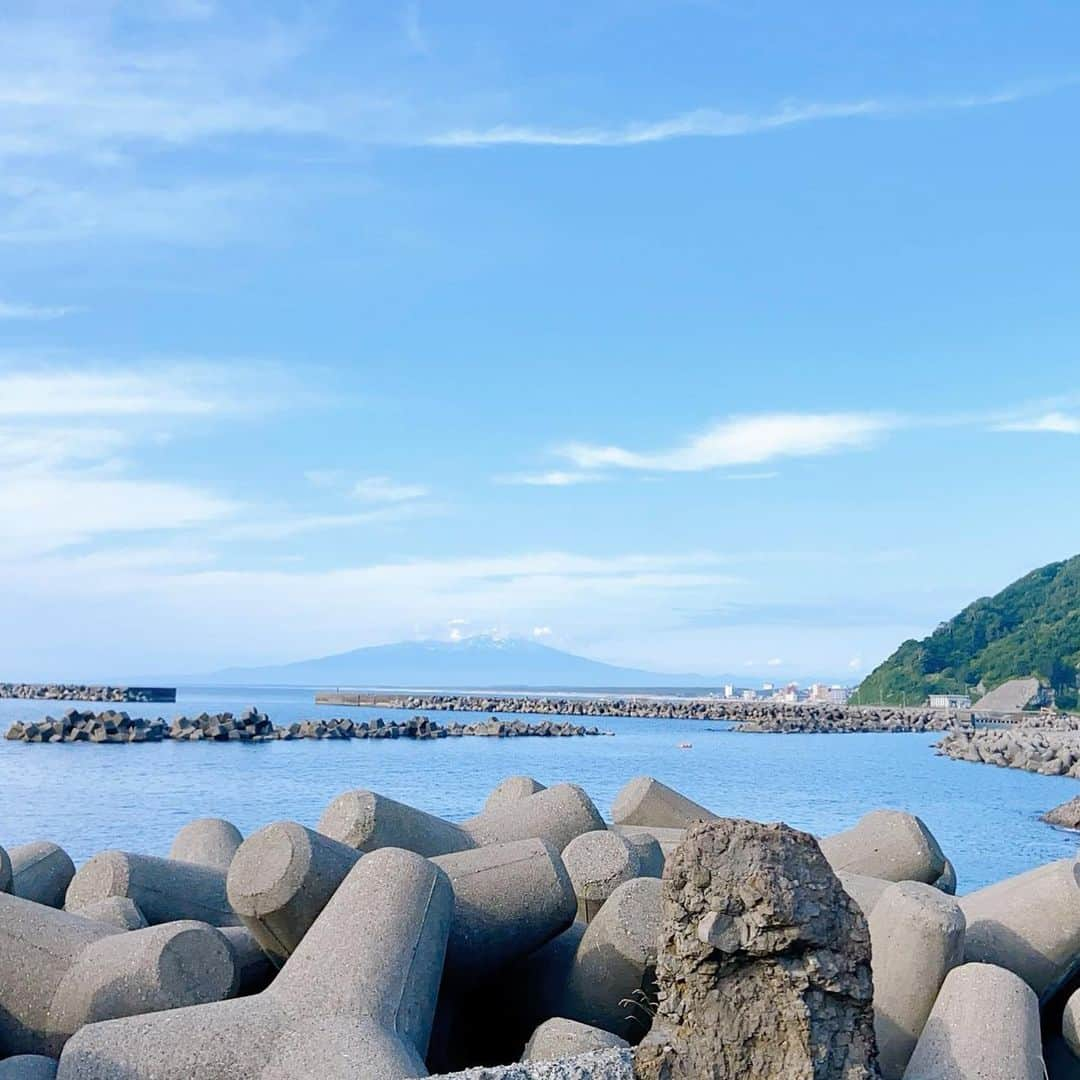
{"points": [[33, 312], [541, 632], [1055, 422], [168, 389], [552, 478], [743, 440], [381, 489], [716, 123], [775, 662], [285, 526], [855, 663]]}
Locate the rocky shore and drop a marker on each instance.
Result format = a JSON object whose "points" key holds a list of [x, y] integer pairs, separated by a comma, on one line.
{"points": [[752, 716], [74, 692], [253, 726], [534, 941], [1049, 751]]}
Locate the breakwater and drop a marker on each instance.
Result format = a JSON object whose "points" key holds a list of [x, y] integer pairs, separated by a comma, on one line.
{"points": [[753, 716], [253, 726], [77, 692], [389, 943], [1048, 751]]}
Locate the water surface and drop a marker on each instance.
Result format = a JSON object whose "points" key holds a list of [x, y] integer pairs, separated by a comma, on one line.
{"points": [[88, 797]]}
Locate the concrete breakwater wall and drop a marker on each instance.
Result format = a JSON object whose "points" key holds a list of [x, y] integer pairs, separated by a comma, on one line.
{"points": [[75, 692], [253, 726], [759, 716], [533, 940], [1049, 751]]}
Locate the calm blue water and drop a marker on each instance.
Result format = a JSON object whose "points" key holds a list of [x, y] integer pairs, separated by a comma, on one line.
{"points": [[89, 797]]}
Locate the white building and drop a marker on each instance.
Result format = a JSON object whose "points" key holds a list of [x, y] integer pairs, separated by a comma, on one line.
{"points": [[949, 701]]}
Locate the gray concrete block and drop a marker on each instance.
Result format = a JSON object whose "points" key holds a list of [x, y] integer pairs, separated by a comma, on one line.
{"points": [[62, 971], [344, 1007], [208, 842], [983, 1026], [865, 891], [1029, 924], [509, 899], [163, 889], [916, 939], [560, 1038], [511, 790], [598, 863], [281, 879], [556, 815], [613, 973], [947, 882], [28, 1067], [1070, 1023], [115, 911], [649, 853], [5, 872], [887, 844], [646, 801], [255, 970], [41, 872], [367, 821], [667, 839]]}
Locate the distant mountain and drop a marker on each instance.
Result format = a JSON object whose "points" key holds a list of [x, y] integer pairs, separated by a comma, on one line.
{"points": [[483, 661], [1030, 628]]}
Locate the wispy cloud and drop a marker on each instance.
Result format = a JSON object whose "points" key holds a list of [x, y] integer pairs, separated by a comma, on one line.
{"points": [[33, 312], [285, 526], [743, 440], [551, 478], [381, 489], [1055, 422], [717, 123], [170, 391]]}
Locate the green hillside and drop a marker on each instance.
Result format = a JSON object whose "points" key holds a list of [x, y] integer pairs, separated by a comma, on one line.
{"points": [[1030, 628]]}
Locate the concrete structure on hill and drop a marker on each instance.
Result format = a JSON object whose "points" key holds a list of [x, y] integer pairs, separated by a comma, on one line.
{"points": [[1013, 696], [949, 701]]}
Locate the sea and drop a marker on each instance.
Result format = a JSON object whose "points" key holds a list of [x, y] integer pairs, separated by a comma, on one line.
{"points": [[89, 797]]}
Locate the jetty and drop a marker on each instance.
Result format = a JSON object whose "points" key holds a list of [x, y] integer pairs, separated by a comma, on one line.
{"points": [[81, 692]]}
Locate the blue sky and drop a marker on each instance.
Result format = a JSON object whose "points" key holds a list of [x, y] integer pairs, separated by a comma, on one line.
{"points": [[716, 337]]}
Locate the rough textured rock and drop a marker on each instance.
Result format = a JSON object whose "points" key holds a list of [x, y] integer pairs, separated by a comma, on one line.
{"points": [[599, 1065], [764, 965], [1065, 816], [5, 872]]}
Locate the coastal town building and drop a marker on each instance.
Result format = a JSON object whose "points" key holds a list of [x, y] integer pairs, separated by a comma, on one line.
{"points": [[949, 701]]}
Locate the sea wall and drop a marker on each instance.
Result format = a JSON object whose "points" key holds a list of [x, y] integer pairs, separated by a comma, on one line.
{"points": [[77, 692], [1049, 751], [753, 716]]}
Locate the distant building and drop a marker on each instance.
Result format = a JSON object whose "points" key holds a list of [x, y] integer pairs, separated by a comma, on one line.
{"points": [[749, 695], [838, 695], [949, 701], [729, 691], [767, 686]]}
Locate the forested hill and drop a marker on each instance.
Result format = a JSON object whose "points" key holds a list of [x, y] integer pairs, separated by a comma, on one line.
{"points": [[1030, 628]]}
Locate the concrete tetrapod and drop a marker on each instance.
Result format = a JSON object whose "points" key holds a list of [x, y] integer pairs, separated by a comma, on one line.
{"points": [[560, 1038], [5, 872], [886, 844], [62, 971], [163, 889], [208, 842], [28, 1067], [646, 801], [355, 1000], [983, 1026], [41, 872], [865, 891], [916, 939], [1029, 924], [117, 911], [367, 821], [511, 790], [509, 899], [556, 814], [667, 840], [599, 862], [281, 879], [613, 975], [1070, 1023]]}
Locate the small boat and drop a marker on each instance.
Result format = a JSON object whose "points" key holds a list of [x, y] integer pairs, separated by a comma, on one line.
{"points": [[686, 746]]}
